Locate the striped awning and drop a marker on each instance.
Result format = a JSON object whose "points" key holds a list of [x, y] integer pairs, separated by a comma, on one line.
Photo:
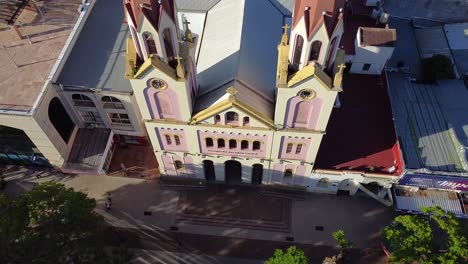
{"points": [[410, 199]]}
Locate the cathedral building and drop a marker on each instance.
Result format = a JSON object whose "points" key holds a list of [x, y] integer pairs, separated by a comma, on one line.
{"points": [[241, 93]]}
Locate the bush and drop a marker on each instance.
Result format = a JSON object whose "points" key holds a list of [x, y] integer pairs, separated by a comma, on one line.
{"points": [[437, 67], [292, 256]]}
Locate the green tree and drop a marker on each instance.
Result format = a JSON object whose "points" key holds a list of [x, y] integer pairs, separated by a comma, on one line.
{"points": [[292, 255], [432, 238], [437, 67], [50, 224]]}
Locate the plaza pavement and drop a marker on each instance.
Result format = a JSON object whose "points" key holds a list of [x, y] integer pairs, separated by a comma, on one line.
{"points": [[361, 218]]}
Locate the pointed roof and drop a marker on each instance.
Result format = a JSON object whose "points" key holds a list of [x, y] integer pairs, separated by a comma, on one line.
{"points": [[313, 13], [232, 99], [239, 48], [154, 12]]}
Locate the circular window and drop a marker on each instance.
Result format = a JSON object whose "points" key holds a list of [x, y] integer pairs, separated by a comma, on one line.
{"points": [[158, 84], [307, 94]]}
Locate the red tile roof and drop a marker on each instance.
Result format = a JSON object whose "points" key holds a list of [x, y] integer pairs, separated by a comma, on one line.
{"points": [[312, 11], [351, 26], [378, 37], [361, 135]]}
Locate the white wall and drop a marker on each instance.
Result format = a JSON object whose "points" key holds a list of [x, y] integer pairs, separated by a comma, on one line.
{"points": [[375, 56]]}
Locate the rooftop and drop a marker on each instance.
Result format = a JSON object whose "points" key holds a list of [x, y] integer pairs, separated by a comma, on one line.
{"points": [[364, 126], [457, 36], [20, 86], [97, 59], [232, 51], [381, 37], [351, 27]]}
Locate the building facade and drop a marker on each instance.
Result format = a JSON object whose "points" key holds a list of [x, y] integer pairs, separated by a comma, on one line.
{"points": [[237, 101]]}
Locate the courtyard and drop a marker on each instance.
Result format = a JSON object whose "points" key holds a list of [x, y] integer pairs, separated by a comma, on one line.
{"points": [[221, 221]]}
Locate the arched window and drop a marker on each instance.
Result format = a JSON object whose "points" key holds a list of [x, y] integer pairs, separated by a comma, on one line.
{"points": [[232, 118], [150, 44], [315, 50], [82, 100], [60, 119], [289, 148], [221, 143], [111, 102], [298, 51], [298, 148], [246, 121], [209, 142], [256, 145], [330, 52], [302, 114], [217, 119], [288, 173], [232, 144], [168, 44], [244, 144], [168, 139], [178, 164], [164, 105], [177, 140]]}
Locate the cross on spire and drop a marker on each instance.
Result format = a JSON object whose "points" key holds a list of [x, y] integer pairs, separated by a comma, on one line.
{"points": [[178, 58], [286, 27], [186, 23], [341, 67]]}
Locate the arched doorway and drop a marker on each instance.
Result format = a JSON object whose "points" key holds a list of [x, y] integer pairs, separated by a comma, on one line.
{"points": [[346, 187], [60, 119], [233, 172], [209, 171], [257, 174]]}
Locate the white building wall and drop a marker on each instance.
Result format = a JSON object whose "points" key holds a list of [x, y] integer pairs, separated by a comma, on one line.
{"points": [[377, 57], [96, 96]]}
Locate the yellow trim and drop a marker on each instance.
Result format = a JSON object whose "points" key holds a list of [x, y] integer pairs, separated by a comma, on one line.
{"points": [[130, 59], [226, 104], [311, 70]]}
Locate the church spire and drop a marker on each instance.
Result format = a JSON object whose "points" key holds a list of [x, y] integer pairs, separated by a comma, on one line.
{"points": [[282, 67]]}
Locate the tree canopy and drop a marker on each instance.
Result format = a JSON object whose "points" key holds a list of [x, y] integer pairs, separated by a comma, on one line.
{"points": [[432, 238], [50, 224], [292, 255], [437, 67]]}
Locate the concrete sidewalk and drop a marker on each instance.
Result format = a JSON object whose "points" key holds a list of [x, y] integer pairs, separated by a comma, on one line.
{"points": [[312, 220]]}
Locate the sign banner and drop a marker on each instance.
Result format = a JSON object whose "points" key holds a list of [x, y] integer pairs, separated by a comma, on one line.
{"points": [[435, 181]]}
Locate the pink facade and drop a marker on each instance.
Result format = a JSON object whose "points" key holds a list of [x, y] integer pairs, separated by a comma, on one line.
{"points": [[172, 139], [294, 148], [162, 104], [233, 144], [303, 113], [178, 166], [295, 176]]}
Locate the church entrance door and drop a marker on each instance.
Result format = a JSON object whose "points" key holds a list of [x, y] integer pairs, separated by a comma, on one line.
{"points": [[208, 169], [233, 172], [257, 174]]}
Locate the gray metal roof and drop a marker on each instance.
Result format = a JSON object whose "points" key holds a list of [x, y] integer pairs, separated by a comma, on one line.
{"points": [[195, 5], [414, 200], [406, 51], [432, 41], [284, 6], [239, 42], [426, 134], [97, 59], [461, 60]]}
